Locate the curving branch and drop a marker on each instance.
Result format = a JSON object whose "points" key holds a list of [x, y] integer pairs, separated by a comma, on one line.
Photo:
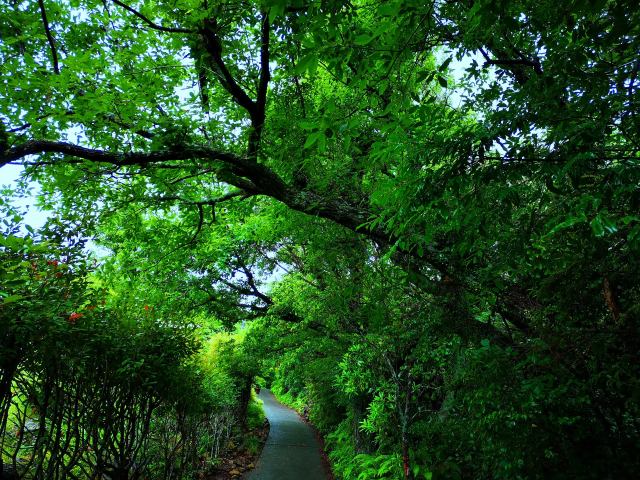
{"points": [[152, 24], [244, 173], [255, 108], [50, 39], [213, 46], [35, 147]]}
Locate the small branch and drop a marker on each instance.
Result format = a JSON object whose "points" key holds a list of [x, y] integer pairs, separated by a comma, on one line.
{"points": [[193, 175], [200, 203], [225, 197], [507, 62], [252, 283], [200, 222], [109, 117], [249, 292], [143, 133], [152, 24], [50, 39]]}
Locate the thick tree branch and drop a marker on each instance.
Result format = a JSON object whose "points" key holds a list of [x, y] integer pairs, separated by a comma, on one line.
{"points": [[256, 109], [34, 147], [152, 24], [258, 118], [213, 46], [265, 73], [253, 177], [50, 39]]}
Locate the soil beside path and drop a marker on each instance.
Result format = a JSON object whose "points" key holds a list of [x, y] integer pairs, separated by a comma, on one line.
{"points": [[292, 451]]}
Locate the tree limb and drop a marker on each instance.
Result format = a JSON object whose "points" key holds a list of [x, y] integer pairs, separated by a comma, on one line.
{"points": [[213, 46], [265, 73], [50, 39], [258, 118], [201, 203], [252, 283], [255, 178], [33, 147], [509, 62], [150, 23]]}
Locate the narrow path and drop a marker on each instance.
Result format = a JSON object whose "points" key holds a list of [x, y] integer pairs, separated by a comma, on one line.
{"points": [[292, 451]]}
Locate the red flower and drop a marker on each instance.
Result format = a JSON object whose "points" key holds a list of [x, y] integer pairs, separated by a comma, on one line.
{"points": [[74, 316], [146, 307]]}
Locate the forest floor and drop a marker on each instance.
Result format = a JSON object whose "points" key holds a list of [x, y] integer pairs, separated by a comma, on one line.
{"points": [[239, 458]]}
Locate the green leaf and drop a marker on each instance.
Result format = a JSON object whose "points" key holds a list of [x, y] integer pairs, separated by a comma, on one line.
{"points": [[308, 62], [276, 11], [423, 75], [11, 299], [601, 224], [389, 9], [568, 223], [312, 139], [445, 64], [363, 39]]}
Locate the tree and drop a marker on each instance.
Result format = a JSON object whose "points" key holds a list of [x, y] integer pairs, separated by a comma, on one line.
{"points": [[510, 206]]}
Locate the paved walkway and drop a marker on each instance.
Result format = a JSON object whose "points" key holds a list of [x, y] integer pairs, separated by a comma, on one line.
{"points": [[292, 451]]}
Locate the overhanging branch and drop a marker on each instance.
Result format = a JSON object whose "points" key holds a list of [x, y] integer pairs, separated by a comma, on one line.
{"points": [[150, 23], [213, 46], [35, 147], [252, 177], [50, 39]]}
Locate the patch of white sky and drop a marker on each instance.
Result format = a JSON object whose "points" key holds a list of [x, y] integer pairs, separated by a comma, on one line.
{"points": [[26, 203], [463, 87]]}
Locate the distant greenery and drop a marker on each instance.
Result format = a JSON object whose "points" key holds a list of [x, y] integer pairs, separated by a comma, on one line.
{"points": [[416, 220]]}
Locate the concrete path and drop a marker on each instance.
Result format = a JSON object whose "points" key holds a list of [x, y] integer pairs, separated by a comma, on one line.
{"points": [[292, 451]]}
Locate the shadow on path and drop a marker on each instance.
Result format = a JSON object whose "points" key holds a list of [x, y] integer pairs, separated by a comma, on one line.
{"points": [[292, 451]]}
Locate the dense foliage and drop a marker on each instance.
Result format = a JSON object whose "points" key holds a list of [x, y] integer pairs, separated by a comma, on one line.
{"points": [[425, 215], [96, 383]]}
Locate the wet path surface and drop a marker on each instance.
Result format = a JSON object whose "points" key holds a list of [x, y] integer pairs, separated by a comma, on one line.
{"points": [[292, 451]]}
